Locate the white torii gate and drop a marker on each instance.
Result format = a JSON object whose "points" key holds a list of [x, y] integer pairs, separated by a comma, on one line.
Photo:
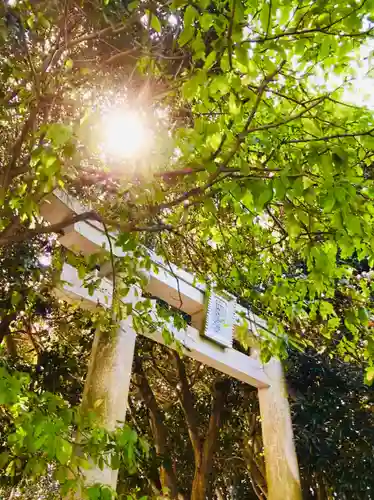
{"points": [[109, 372]]}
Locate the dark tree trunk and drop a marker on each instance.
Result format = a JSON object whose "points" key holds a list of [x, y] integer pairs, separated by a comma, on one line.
{"points": [[167, 475]]}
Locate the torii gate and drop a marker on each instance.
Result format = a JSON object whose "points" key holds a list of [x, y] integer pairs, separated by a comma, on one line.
{"points": [[109, 372]]}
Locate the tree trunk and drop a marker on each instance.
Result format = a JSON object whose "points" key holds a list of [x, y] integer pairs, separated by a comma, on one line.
{"points": [[167, 475], [203, 467], [198, 485], [5, 324], [11, 347]]}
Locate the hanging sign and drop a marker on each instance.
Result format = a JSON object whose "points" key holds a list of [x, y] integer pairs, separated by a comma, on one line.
{"points": [[220, 318]]}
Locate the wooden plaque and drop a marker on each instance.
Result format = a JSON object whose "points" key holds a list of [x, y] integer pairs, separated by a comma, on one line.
{"points": [[220, 319]]}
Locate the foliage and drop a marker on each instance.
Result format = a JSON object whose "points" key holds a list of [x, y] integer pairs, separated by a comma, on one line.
{"points": [[60, 367], [331, 411], [38, 435], [260, 178], [333, 419], [42, 371], [272, 164]]}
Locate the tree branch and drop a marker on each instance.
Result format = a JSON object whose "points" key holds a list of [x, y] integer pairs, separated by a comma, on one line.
{"points": [[287, 120], [329, 137], [204, 468]]}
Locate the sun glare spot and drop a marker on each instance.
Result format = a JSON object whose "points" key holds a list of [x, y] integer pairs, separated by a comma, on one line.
{"points": [[125, 134], [173, 20]]}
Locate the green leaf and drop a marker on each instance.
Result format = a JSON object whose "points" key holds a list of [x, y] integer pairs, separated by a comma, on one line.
{"points": [[93, 492], [206, 21], [285, 13], [350, 320], [198, 47], [241, 54], [44, 21], [264, 15], [328, 202], [145, 446], [155, 23], [63, 451], [186, 35], [369, 375], [115, 462], [190, 15], [234, 108], [167, 336], [363, 315], [59, 134], [225, 63], [4, 458], [324, 48], [263, 193], [220, 84], [31, 22], [210, 60], [214, 140], [16, 298], [353, 224], [311, 127], [333, 323], [326, 309], [69, 63]]}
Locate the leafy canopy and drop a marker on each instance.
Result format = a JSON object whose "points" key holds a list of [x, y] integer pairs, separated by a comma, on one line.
{"points": [[263, 181]]}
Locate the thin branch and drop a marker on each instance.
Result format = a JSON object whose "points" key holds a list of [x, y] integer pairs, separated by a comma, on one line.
{"points": [[260, 92], [7, 175], [323, 30], [329, 137], [287, 120], [159, 429], [229, 33]]}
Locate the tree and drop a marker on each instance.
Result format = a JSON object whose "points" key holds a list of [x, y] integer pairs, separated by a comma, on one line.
{"points": [[272, 166], [331, 409], [199, 423], [260, 178], [333, 447], [333, 418], [42, 371]]}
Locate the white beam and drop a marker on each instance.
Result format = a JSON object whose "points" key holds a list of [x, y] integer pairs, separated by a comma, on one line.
{"points": [[175, 286], [226, 360]]}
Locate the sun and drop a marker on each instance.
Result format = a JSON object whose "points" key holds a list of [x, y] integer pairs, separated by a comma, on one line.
{"points": [[125, 134]]}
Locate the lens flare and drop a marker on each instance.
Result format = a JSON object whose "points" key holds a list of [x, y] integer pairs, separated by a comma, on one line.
{"points": [[125, 134]]}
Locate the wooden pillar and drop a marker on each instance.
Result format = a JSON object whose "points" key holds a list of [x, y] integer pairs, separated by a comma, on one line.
{"points": [[282, 471], [107, 385]]}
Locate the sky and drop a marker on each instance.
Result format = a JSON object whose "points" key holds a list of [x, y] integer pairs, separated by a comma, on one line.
{"points": [[361, 92]]}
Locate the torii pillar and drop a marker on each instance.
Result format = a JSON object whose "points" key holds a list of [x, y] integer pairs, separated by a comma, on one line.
{"points": [[282, 470]]}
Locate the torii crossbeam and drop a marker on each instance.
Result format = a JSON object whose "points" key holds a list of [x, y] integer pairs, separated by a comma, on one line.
{"points": [[109, 373]]}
